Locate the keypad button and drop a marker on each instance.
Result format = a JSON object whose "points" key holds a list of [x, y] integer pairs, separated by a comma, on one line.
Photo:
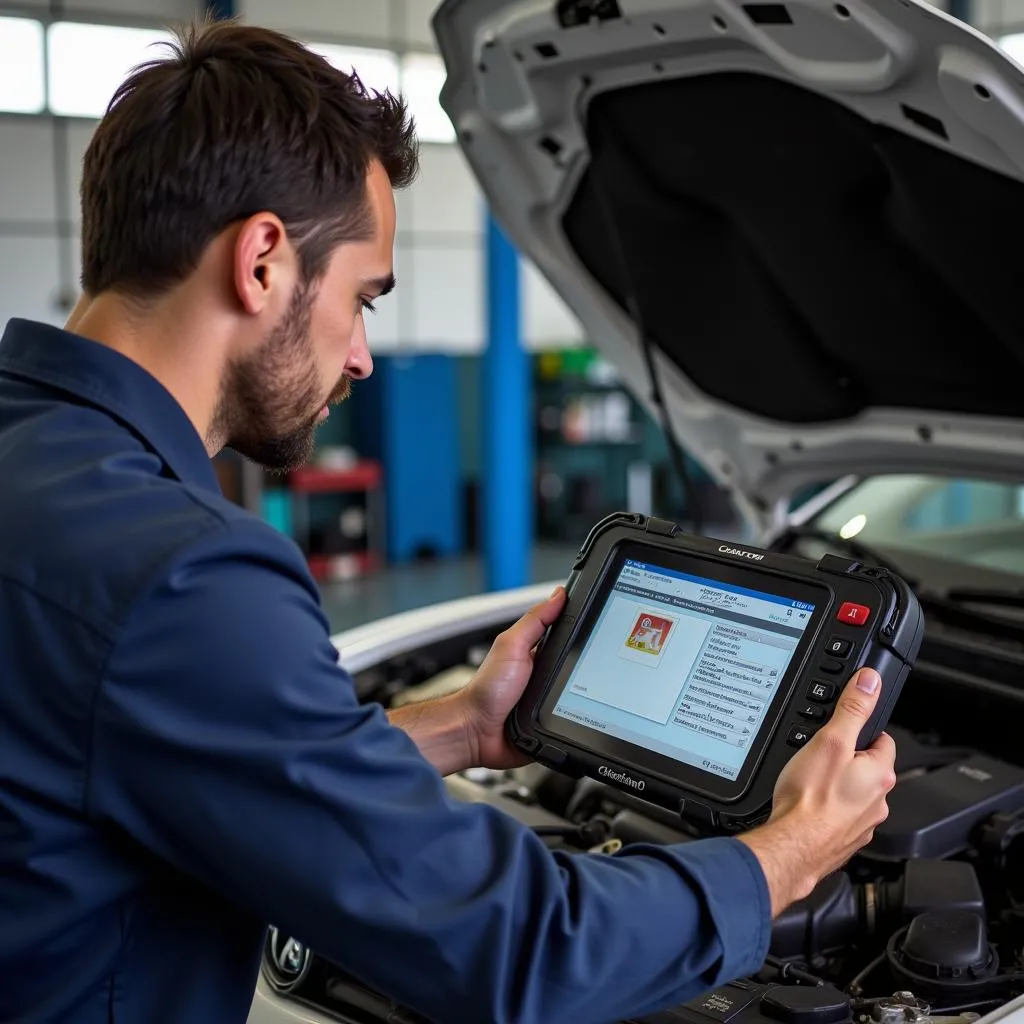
{"points": [[799, 735], [853, 614], [821, 693], [812, 712], [838, 647], [831, 666]]}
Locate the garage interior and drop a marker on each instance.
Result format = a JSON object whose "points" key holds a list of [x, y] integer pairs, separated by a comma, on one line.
{"points": [[494, 433], [384, 529]]}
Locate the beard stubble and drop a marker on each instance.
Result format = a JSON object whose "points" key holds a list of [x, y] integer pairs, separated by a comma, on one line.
{"points": [[270, 402]]}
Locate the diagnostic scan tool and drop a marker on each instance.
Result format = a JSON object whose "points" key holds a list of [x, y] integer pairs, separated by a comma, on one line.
{"points": [[687, 671]]}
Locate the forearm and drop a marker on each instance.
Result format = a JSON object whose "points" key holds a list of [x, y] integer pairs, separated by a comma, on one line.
{"points": [[500, 930], [440, 730], [785, 854]]}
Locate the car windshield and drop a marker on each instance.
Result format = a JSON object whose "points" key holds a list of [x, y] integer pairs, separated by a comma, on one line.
{"points": [[967, 521]]}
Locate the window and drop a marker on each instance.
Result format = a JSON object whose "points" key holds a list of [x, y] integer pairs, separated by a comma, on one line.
{"points": [[377, 69], [1014, 46], [972, 521], [418, 77], [22, 78], [423, 75], [89, 62]]}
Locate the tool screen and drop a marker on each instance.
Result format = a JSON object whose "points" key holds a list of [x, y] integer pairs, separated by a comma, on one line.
{"points": [[684, 666]]}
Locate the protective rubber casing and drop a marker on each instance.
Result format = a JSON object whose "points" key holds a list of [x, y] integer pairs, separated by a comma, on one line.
{"points": [[887, 641]]}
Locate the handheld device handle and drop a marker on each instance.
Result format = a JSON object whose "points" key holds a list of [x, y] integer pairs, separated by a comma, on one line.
{"points": [[894, 674]]}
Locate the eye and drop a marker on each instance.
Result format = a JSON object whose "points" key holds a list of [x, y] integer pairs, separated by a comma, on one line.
{"points": [[368, 305]]}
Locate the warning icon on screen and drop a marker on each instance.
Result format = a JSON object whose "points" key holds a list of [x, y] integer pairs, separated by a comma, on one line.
{"points": [[649, 634]]}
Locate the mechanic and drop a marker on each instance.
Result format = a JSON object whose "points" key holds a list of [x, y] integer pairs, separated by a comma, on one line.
{"points": [[182, 758]]}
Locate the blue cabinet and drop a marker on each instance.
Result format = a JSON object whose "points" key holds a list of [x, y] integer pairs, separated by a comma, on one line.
{"points": [[406, 416]]}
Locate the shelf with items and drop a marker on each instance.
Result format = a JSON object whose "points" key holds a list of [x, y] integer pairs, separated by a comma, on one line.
{"points": [[589, 444], [599, 451], [352, 544]]}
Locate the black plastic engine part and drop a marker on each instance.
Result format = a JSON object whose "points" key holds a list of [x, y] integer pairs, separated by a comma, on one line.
{"points": [[738, 1001], [935, 815], [929, 885], [943, 951], [825, 921], [747, 1002], [838, 913], [801, 1004], [1002, 845]]}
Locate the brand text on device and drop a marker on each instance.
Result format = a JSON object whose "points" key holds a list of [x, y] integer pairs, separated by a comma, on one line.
{"points": [[626, 780], [754, 556]]}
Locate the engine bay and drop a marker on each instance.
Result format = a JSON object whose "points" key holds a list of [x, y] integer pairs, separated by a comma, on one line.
{"points": [[925, 925]]}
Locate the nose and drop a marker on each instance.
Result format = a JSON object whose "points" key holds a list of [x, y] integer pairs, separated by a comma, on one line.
{"points": [[359, 365]]}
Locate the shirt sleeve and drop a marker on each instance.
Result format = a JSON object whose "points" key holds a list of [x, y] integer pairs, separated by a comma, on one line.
{"points": [[230, 742]]}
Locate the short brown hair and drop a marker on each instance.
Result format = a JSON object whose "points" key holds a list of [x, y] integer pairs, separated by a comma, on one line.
{"points": [[235, 121]]}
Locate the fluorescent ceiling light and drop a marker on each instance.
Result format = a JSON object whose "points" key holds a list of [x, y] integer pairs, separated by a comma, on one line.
{"points": [[377, 69], [853, 527], [423, 75], [22, 75], [89, 62]]}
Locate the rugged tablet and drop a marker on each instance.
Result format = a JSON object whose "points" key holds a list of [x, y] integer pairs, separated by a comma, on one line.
{"points": [[688, 671]]}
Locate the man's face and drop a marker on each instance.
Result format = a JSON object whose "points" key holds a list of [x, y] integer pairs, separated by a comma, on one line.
{"points": [[275, 398]]}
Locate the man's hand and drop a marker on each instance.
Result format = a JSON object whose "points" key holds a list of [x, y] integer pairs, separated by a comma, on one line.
{"points": [[828, 800], [500, 682]]}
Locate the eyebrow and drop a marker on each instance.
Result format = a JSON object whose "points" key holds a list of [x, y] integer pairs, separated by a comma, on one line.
{"points": [[381, 285]]}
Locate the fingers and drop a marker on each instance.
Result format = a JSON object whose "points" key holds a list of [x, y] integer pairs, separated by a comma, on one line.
{"points": [[856, 705], [882, 755], [882, 750], [529, 630]]}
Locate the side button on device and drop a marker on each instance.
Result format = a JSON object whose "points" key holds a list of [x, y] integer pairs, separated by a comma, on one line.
{"points": [[698, 813], [551, 755], [831, 666], [821, 693], [838, 647], [812, 712], [798, 736], [853, 614], [837, 564]]}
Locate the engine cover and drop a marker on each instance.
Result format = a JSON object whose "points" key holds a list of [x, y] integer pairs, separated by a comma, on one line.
{"points": [[935, 815]]}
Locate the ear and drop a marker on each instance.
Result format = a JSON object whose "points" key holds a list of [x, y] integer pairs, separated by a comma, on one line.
{"points": [[265, 265]]}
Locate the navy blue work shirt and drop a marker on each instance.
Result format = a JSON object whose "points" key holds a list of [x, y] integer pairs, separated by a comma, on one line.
{"points": [[183, 762]]}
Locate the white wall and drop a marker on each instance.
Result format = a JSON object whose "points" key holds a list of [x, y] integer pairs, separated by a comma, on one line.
{"points": [[439, 304]]}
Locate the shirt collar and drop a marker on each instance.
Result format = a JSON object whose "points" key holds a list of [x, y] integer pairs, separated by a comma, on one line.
{"points": [[88, 370]]}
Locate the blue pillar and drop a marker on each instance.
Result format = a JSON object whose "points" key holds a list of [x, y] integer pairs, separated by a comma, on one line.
{"points": [[961, 10], [220, 9], [506, 466]]}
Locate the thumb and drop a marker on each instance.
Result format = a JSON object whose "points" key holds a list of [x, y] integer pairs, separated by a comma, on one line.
{"points": [[530, 628], [856, 705]]}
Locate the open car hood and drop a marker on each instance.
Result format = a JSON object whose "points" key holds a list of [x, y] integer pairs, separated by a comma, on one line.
{"points": [[810, 210]]}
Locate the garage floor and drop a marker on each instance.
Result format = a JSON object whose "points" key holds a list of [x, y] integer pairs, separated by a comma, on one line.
{"points": [[401, 588]]}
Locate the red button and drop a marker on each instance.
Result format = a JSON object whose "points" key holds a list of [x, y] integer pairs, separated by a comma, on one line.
{"points": [[853, 614]]}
